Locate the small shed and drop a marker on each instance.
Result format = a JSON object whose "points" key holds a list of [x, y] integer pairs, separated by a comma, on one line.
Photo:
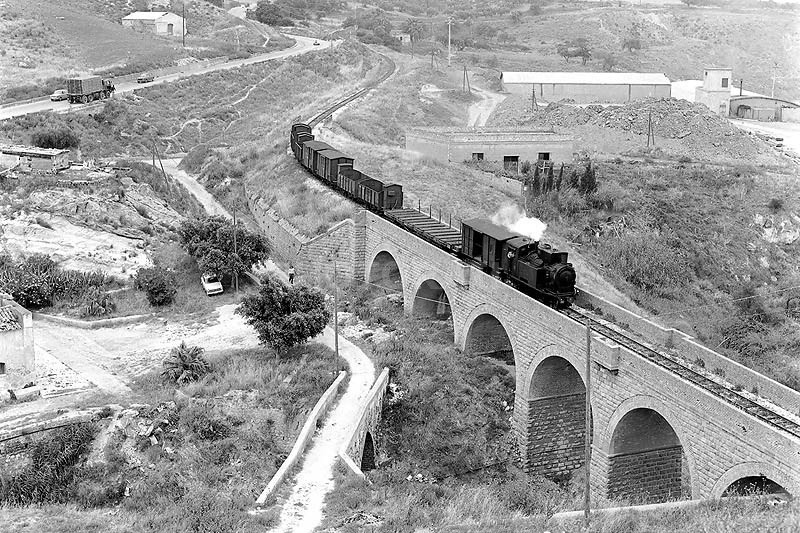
{"points": [[17, 358], [158, 22], [34, 159]]}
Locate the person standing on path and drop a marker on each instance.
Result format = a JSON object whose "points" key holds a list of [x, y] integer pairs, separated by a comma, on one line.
{"points": [[291, 274]]}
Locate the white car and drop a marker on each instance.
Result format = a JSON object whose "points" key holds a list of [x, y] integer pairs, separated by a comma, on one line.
{"points": [[211, 284]]}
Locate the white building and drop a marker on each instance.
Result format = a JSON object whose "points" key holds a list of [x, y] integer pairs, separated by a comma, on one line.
{"points": [[715, 93], [587, 87], [158, 22]]}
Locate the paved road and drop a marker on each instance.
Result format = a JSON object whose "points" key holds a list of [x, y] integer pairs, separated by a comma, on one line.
{"points": [[303, 45]]}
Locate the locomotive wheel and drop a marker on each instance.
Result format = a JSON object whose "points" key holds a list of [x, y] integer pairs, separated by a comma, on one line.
{"points": [[85, 99]]}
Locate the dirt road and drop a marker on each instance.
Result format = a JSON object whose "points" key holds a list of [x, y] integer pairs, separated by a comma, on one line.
{"points": [[213, 207], [480, 112], [302, 511]]}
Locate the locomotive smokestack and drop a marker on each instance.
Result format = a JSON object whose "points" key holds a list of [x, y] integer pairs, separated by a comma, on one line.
{"points": [[515, 220]]}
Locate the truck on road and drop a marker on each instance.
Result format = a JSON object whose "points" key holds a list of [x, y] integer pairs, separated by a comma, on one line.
{"points": [[88, 88]]}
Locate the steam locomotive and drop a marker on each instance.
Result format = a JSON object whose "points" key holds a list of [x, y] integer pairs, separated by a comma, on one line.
{"points": [[533, 267]]}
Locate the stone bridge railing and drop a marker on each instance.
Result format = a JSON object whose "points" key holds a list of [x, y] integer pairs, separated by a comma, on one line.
{"points": [[369, 416]]}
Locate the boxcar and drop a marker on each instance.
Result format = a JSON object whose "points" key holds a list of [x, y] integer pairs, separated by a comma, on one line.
{"points": [[482, 241], [331, 162], [301, 133], [310, 151]]}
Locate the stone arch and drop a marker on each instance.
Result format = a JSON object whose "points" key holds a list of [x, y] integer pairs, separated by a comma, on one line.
{"points": [[368, 454], [486, 335], [384, 272], [430, 297], [556, 419], [755, 470], [646, 453]]}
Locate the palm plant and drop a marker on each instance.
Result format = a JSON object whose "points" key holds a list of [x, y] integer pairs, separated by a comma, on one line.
{"points": [[185, 364]]}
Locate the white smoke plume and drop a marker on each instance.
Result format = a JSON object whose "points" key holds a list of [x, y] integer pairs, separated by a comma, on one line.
{"points": [[515, 220]]}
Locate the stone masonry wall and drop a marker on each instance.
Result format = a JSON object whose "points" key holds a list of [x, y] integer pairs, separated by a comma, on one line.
{"points": [[646, 477], [719, 440], [557, 436]]}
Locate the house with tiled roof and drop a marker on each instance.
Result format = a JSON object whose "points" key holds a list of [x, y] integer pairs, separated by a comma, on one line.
{"points": [[17, 360]]}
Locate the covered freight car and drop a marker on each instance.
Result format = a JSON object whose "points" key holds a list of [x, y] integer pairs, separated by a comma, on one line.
{"points": [[331, 162]]}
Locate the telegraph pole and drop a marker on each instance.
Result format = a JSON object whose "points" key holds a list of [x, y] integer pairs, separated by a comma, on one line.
{"points": [[335, 310], [183, 26], [588, 427], [449, 54], [235, 251]]}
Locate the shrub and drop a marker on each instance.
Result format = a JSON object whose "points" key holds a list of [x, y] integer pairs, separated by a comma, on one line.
{"points": [[158, 283], [205, 425], [535, 495], [52, 468], [98, 303], [185, 364], [61, 138], [775, 204]]}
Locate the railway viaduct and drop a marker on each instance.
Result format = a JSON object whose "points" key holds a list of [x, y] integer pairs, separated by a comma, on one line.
{"points": [[655, 434]]}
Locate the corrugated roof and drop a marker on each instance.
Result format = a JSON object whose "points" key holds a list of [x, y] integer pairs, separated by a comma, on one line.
{"points": [[146, 15], [587, 78], [8, 320]]}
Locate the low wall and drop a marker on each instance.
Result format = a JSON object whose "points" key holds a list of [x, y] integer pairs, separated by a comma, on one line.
{"points": [[92, 324], [370, 412], [305, 436], [693, 351]]}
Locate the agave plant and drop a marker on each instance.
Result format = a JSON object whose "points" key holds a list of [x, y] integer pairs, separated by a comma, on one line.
{"points": [[185, 364]]}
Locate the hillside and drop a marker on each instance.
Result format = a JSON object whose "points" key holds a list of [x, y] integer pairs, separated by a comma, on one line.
{"points": [[47, 40]]}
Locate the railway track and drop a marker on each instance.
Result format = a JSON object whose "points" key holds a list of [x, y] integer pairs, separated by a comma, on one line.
{"points": [[356, 95], [409, 222], [676, 367]]}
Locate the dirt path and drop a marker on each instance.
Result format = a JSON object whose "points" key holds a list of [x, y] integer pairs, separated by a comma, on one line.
{"points": [[302, 511], [213, 207], [480, 112]]}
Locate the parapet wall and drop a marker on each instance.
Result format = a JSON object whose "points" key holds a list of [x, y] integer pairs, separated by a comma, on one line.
{"points": [[368, 418], [692, 351]]}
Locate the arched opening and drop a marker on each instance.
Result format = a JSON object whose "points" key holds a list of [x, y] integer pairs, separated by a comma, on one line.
{"points": [[488, 337], [557, 414], [754, 485], [431, 301], [385, 274], [368, 455], [646, 459]]}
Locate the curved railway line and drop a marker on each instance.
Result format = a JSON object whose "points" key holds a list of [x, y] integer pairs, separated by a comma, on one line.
{"points": [[442, 235]]}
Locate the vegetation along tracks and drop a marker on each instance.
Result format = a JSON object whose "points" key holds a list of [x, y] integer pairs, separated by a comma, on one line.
{"points": [[327, 112], [670, 363]]}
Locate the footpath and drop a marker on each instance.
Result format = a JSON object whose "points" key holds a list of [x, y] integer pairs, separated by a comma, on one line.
{"points": [[302, 510]]}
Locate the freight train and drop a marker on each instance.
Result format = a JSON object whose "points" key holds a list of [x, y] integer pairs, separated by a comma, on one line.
{"points": [[533, 267]]}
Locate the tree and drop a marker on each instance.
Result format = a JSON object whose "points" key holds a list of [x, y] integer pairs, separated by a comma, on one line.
{"points": [[185, 364], [284, 316], [271, 14], [60, 138], [414, 29], [159, 284], [210, 241]]}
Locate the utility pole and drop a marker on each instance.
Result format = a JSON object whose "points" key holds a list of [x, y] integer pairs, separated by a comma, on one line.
{"points": [[183, 26], [741, 84], [235, 250], [534, 104], [449, 54], [335, 309], [651, 136], [588, 427]]}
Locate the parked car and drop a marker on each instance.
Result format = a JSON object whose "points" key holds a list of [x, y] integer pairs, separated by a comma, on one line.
{"points": [[145, 78], [211, 284], [316, 43], [58, 95]]}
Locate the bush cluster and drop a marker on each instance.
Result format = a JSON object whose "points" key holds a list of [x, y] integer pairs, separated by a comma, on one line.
{"points": [[36, 282], [158, 283], [61, 138], [51, 475]]}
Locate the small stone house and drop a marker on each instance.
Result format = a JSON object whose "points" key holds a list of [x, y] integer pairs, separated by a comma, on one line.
{"points": [[17, 358], [34, 159], [158, 22]]}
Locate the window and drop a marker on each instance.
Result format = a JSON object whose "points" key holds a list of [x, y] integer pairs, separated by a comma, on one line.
{"points": [[2, 368], [170, 29], [544, 156], [511, 163], [724, 82], [477, 156]]}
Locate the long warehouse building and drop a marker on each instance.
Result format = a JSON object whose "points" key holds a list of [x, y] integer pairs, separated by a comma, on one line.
{"points": [[587, 87]]}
